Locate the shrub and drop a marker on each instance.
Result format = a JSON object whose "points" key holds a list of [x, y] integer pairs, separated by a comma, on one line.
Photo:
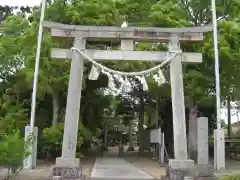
{"points": [[12, 152], [50, 142]]}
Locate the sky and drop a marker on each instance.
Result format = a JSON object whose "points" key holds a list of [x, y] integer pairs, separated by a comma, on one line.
{"points": [[20, 2]]}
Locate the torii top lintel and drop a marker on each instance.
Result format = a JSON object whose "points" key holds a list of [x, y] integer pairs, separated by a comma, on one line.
{"points": [[133, 33]]}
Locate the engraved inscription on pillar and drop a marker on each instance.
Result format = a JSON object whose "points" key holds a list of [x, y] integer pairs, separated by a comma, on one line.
{"points": [[70, 144]]}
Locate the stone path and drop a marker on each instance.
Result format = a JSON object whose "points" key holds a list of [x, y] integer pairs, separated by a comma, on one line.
{"points": [[117, 169], [148, 165]]}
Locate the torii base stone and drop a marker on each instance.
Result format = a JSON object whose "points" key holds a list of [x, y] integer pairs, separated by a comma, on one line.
{"points": [[66, 170], [178, 169]]}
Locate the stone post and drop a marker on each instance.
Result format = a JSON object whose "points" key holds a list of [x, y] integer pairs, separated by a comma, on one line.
{"points": [[162, 148], [30, 162], [204, 168], [68, 166], [159, 143], [180, 166], [153, 151], [192, 135], [219, 149]]}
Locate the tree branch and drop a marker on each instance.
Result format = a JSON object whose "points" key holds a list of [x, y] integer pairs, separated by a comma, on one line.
{"points": [[186, 7]]}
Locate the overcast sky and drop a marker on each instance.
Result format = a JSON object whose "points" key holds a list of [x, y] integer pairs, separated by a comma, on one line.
{"points": [[20, 2]]}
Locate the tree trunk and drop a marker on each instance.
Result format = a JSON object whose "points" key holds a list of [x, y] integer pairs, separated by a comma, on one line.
{"points": [[228, 145], [229, 116], [157, 126], [130, 148], [120, 151], [150, 117], [149, 123], [168, 127], [55, 109], [140, 125], [157, 112], [106, 135]]}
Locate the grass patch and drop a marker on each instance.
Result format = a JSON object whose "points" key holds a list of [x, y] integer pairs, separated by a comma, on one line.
{"points": [[232, 177]]}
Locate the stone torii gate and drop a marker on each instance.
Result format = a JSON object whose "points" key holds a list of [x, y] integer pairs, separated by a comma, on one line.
{"points": [[67, 165]]}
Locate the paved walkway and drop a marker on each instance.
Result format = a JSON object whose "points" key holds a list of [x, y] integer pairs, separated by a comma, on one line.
{"points": [[115, 168]]}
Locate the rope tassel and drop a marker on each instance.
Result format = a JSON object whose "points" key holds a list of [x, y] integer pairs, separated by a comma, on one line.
{"points": [[161, 77], [143, 82], [94, 73], [111, 83], [127, 85]]}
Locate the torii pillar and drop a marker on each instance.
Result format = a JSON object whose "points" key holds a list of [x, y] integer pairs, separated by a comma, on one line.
{"points": [[180, 166], [68, 166]]}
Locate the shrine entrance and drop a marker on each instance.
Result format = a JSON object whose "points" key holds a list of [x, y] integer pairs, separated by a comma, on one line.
{"points": [[67, 165]]}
